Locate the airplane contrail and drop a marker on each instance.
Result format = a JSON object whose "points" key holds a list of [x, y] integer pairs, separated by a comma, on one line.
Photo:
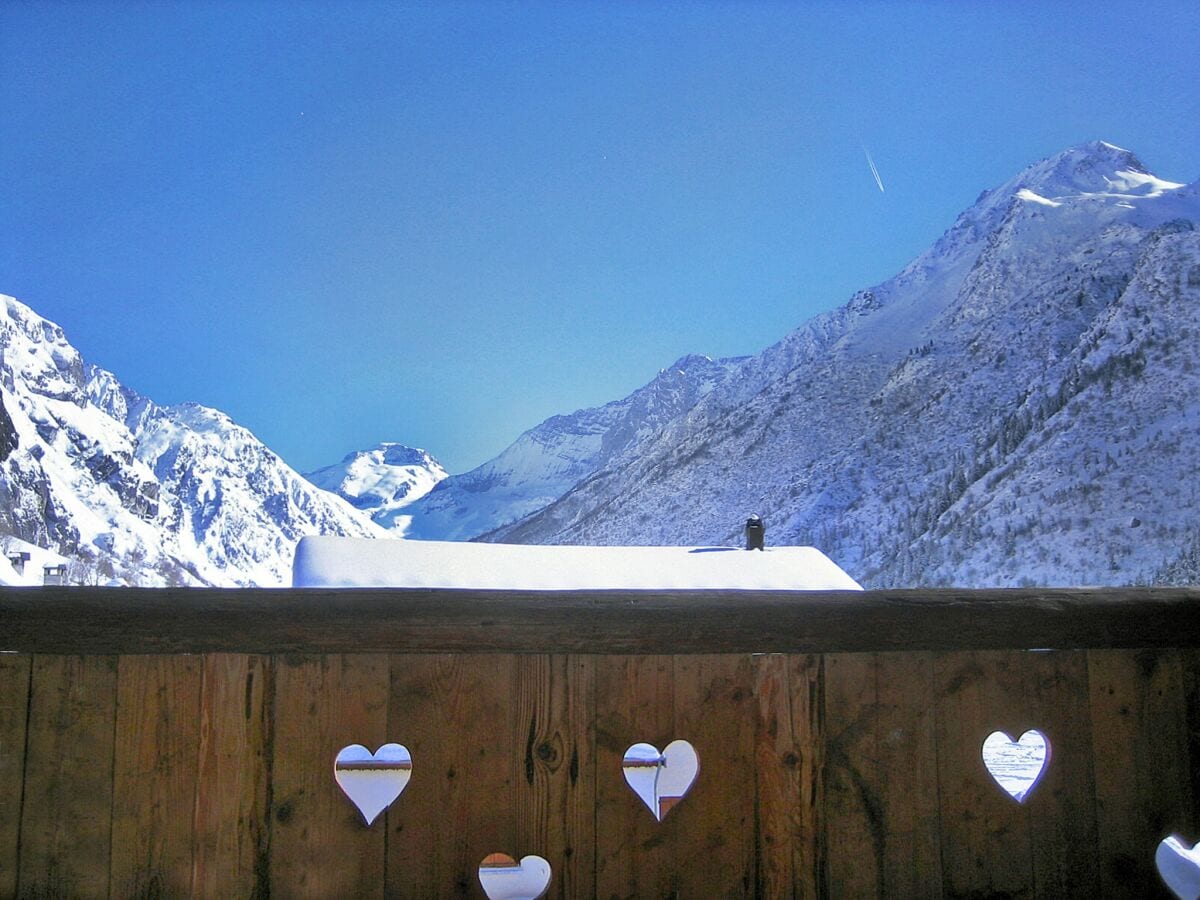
{"points": [[874, 171]]}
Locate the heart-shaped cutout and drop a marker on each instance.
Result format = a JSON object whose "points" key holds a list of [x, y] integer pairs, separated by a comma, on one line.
{"points": [[503, 878], [1179, 866], [661, 779], [1016, 765], [372, 781]]}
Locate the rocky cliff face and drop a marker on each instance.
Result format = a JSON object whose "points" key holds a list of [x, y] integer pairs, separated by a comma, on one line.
{"points": [[8, 433], [138, 493]]}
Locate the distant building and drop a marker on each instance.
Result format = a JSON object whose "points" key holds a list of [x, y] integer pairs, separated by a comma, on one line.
{"points": [[366, 562], [18, 561], [54, 575]]}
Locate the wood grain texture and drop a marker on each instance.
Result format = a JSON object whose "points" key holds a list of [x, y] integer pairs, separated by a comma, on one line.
{"points": [[781, 799], [635, 853], [196, 620], [806, 682], [789, 753], [906, 766], [66, 816], [458, 717], [14, 713], [319, 845], [417, 859], [1142, 766], [879, 809], [852, 814], [833, 775], [1190, 662], [232, 823], [155, 775], [1062, 807], [711, 831], [555, 795], [986, 834]]}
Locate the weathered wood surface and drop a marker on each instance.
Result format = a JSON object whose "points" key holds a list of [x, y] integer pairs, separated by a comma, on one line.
{"points": [[233, 777], [192, 620], [821, 775], [154, 777], [1143, 771], [635, 703], [319, 845], [788, 761], [14, 716], [67, 807]]}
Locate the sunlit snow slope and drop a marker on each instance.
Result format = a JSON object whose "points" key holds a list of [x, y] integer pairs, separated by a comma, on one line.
{"points": [[137, 493], [536, 469], [1021, 404]]}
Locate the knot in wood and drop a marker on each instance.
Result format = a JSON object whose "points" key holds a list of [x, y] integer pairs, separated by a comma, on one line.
{"points": [[549, 752]]}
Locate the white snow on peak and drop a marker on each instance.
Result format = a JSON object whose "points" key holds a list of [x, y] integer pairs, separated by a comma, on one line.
{"points": [[1095, 170], [357, 562], [143, 494], [1130, 182], [1027, 194], [383, 481]]}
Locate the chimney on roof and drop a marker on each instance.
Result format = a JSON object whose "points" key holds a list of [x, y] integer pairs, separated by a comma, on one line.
{"points": [[54, 575], [18, 561], [754, 533]]}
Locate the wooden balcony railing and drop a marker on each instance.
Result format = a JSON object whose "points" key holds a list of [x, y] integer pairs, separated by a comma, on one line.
{"points": [[181, 742]]}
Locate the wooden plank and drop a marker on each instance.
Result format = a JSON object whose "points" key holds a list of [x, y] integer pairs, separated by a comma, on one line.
{"points": [[232, 821], [457, 716], [985, 833], [881, 811], [806, 686], [418, 862], [67, 812], [1190, 662], [1062, 808], [634, 703], [154, 776], [711, 831], [1142, 766], [320, 845], [907, 775], [555, 803], [195, 620], [853, 819], [14, 713], [780, 799], [788, 762]]}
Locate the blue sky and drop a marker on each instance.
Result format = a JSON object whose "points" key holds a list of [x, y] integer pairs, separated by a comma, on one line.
{"points": [[351, 222]]}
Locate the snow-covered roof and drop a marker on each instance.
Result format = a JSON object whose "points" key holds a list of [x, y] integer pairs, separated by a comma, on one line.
{"points": [[366, 563], [34, 574]]}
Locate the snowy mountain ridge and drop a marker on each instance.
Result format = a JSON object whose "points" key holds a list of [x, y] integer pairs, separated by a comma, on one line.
{"points": [[538, 467], [1000, 412], [383, 481], [1019, 404], [136, 493]]}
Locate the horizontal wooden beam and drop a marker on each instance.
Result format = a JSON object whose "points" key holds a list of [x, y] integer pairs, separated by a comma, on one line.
{"points": [[79, 620]]}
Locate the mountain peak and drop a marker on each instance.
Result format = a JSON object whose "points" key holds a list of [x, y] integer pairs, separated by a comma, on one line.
{"points": [[689, 361], [1092, 168], [390, 453]]}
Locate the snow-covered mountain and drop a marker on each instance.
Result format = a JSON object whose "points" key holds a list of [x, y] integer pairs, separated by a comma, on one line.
{"points": [[1021, 404], [136, 492], [383, 481], [537, 468]]}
